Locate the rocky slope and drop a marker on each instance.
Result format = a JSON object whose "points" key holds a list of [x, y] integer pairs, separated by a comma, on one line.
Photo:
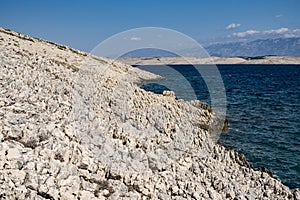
{"points": [[75, 126]]}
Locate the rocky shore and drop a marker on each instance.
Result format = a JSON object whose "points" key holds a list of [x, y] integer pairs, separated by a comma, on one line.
{"points": [[211, 60], [76, 126]]}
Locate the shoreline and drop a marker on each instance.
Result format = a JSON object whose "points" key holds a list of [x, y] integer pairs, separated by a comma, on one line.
{"points": [[71, 134], [263, 60]]}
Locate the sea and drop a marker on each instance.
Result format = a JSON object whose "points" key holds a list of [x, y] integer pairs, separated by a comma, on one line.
{"points": [[263, 109]]}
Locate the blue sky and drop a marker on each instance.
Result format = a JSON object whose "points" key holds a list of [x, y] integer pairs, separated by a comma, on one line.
{"points": [[83, 24]]}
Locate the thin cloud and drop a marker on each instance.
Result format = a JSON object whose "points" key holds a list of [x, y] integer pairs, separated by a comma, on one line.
{"points": [[277, 31], [292, 34], [246, 33], [279, 15], [272, 32], [232, 26], [135, 38]]}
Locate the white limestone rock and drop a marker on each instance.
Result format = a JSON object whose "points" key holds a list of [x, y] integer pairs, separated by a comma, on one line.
{"points": [[69, 133]]}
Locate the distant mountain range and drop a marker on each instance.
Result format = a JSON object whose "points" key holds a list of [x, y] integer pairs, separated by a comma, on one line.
{"points": [[278, 46], [255, 48]]}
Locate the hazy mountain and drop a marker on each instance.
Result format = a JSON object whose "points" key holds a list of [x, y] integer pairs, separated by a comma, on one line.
{"points": [[261, 47], [278, 46], [149, 52]]}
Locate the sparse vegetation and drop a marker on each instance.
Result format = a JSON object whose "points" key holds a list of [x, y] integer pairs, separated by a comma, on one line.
{"points": [[61, 47], [26, 37], [32, 143], [78, 52], [99, 59], [19, 35], [58, 156], [96, 192]]}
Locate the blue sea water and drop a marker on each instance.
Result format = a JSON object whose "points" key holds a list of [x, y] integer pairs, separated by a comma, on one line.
{"points": [[263, 108]]}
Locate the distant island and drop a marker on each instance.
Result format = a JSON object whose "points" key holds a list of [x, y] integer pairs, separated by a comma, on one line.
{"points": [[211, 60]]}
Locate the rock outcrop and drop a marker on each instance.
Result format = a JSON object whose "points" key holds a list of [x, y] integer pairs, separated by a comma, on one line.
{"points": [[75, 126]]}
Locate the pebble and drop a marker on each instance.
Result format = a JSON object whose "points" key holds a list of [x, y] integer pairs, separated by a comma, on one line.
{"points": [[13, 154]]}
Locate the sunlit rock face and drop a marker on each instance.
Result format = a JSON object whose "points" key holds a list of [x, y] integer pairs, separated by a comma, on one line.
{"points": [[75, 126]]}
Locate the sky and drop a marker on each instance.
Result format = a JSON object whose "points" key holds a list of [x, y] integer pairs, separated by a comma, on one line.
{"points": [[84, 24]]}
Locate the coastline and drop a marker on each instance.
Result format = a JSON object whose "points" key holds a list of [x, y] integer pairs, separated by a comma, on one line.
{"points": [[68, 134], [211, 60]]}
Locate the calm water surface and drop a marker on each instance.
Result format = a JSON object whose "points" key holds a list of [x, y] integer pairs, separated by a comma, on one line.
{"points": [[263, 107]]}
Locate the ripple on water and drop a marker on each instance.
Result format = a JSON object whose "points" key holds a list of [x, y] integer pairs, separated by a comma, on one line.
{"points": [[264, 111]]}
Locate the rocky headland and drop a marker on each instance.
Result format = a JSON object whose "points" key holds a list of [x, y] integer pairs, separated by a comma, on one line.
{"points": [[76, 126]]}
